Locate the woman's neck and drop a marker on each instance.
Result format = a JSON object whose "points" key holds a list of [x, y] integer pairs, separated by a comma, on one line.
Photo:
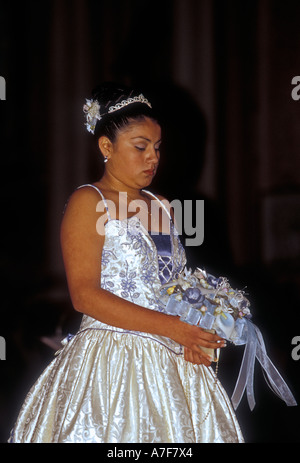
{"points": [[113, 184]]}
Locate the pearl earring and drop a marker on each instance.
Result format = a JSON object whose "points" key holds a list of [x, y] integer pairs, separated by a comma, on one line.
{"points": [[105, 159]]}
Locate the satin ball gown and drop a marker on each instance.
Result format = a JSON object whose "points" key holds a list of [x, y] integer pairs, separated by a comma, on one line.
{"points": [[111, 385]]}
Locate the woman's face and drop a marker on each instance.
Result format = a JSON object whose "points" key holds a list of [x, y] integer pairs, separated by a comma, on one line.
{"points": [[134, 156]]}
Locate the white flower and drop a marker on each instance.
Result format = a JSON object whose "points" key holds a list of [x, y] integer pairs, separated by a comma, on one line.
{"points": [[92, 111]]}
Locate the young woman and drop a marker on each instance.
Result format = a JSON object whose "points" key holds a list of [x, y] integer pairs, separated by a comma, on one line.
{"points": [[131, 373]]}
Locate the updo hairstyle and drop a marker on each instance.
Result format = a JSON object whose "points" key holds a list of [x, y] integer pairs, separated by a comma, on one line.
{"points": [[110, 94]]}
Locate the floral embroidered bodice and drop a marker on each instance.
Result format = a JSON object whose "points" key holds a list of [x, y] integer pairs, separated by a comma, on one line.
{"points": [[133, 267]]}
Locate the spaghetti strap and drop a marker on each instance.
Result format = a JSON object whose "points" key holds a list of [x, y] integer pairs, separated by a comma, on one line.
{"points": [[100, 193], [163, 205], [105, 203]]}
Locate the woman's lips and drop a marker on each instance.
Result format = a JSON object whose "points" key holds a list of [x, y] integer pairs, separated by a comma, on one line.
{"points": [[149, 171]]}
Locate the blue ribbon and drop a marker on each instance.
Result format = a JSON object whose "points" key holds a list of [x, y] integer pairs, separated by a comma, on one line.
{"points": [[241, 332], [255, 348]]}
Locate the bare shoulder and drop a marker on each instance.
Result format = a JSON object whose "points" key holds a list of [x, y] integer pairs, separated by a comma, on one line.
{"points": [[81, 210], [85, 195], [82, 203], [81, 238]]}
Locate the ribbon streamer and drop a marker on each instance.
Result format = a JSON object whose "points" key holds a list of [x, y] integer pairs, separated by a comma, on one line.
{"points": [[241, 332], [255, 348], [201, 299]]}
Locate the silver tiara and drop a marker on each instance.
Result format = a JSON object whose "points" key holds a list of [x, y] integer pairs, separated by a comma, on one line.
{"points": [[92, 109]]}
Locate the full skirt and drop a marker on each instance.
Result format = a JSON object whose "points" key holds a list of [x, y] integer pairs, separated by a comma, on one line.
{"points": [[115, 387]]}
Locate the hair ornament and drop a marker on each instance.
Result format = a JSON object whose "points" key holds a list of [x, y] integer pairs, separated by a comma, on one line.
{"points": [[92, 109]]}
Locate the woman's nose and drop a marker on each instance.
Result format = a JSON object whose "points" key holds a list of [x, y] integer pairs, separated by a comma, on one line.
{"points": [[153, 154]]}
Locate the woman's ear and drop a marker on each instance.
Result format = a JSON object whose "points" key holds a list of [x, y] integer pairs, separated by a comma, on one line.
{"points": [[105, 146]]}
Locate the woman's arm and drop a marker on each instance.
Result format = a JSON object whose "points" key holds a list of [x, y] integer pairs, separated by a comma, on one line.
{"points": [[82, 246]]}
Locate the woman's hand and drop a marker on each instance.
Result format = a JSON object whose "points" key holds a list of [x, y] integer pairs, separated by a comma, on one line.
{"points": [[195, 358], [193, 338]]}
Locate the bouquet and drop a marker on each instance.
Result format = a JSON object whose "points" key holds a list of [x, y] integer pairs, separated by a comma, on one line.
{"points": [[201, 299]]}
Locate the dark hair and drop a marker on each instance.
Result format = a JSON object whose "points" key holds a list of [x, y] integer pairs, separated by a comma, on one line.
{"points": [[109, 94]]}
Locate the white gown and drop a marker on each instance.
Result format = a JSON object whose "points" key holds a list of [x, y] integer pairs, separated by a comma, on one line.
{"points": [[110, 385]]}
